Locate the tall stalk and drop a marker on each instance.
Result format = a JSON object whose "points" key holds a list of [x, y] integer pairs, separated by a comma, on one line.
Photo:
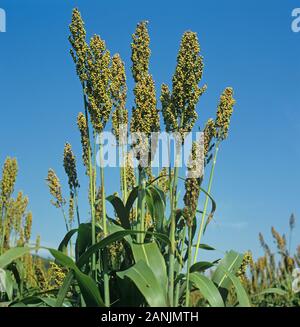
{"points": [[187, 290], [211, 176], [173, 193], [104, 223], [91, 183], [141, 205]]}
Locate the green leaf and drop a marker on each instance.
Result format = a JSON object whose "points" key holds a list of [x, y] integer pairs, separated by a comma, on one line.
{"points": [[212, 211], [64, 243], [241, 293], [205, 247], [145, 280], [117, 236], [151, 255], [121, 210], [83, 240], [208, 289], [229, 264], [156, 203], [62, 293], [201, 266], [12, 254], [272, 291], [86, 284], [131, 198]]}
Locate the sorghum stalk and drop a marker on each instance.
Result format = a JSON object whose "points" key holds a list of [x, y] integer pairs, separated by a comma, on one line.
{"points": [[177, 289], [187, 290], [211, 176], [179, 112], [104, 225], [222, 122]]}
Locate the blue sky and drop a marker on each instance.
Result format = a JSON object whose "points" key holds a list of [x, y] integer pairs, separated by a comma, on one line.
{"points": [[248, 45]]}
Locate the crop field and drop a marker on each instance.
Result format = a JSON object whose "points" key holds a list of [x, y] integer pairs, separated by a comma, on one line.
{"points": [[137, 237]]}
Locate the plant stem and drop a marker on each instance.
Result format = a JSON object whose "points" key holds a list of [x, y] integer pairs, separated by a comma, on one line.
{"points": [[177, 288], [187, 291], [104, 222], [173, 192], [211, 176], [141, 205], [76, 205], [91, 181]]}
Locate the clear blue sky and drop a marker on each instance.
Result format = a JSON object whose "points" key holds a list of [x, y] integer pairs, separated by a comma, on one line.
{"points": [[248, 45]]}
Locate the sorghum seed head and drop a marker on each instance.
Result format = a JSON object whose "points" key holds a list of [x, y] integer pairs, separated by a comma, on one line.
{"points": [[129, 168], [140, 54], [118, 92], [280, 240], [53, 183], [79, 45], [83, 128], [224, 112], [70, 167], [28, 225], [9, 176], [186, 92], [209, 133], [71, 210], [98, 83]]}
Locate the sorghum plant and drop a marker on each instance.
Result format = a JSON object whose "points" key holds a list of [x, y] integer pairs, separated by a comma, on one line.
{"points": [[142, 256]]}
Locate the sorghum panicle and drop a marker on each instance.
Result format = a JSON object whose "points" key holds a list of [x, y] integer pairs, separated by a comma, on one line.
{"points": [[28, 226], [9, 176], [83, 128], [79, 45], [53, 183], [224, 112], [119, 93], [98, 83], [140, 54], [179, 108], [70, 167]]}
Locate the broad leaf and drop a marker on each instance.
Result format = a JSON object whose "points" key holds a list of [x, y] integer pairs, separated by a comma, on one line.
{"points": [[151, 255], [145, 280], [231, 264], [208, 289], [12, 254]]}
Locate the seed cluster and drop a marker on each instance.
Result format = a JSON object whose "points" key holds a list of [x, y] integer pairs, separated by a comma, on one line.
{"points": [[79, 46], [224, 112], [53, 183], [69, 163], [192, 184], [83, 128], [119, 93], [179, 108], [9, 175]]}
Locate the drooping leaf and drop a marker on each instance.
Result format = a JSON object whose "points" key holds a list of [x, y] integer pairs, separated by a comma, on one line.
{"points": [[144, 279], [207, 288], [64, 243], [241, 293], [87, 285], [117, 236], [230, 263], [121, 211], [201, 266], [272, 291], [151, 255], [12, 254], [62, 293], [83, 240]]}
